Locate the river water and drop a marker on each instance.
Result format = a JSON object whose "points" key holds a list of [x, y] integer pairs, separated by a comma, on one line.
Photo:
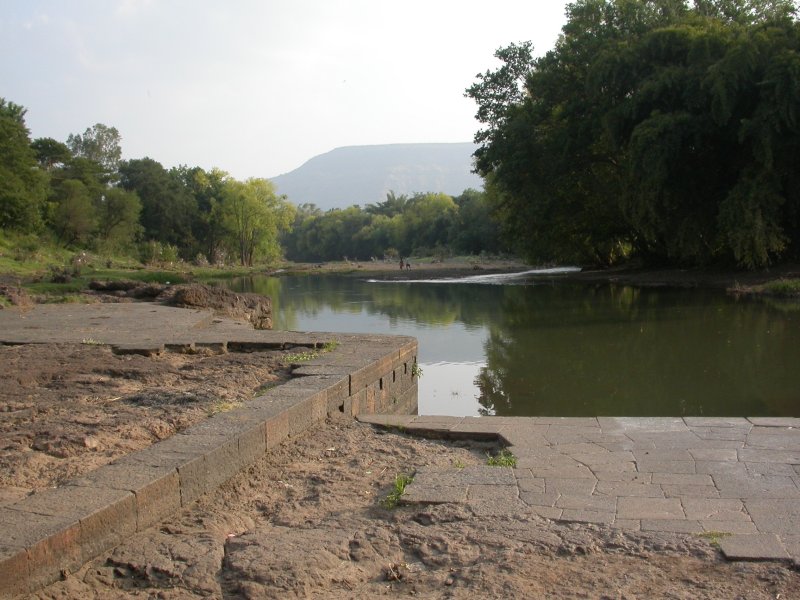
{"points": [[515, 346]]}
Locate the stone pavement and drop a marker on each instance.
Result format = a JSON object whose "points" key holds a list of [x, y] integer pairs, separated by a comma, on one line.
{"points": [[733, 480]]}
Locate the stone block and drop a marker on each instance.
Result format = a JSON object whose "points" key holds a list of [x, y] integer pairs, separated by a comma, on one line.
{"points": [[156, 489], [106, 516], [533, 498], [252, 444], [276, 429], [649, 508], [337, 392], [305, 413], [715, 468], [570, 487], [623, 476], [753, 547], [434, 494], [52, 544], [690, 491], [405, 403], [369, 404], [494, 493], [624, 488], [215, 459], [141, 349], [356, 402], [672, 525], [587, 503], [737, 422], [14, 574], [579, 515], [666, 466], [386, 420], [530, 484], [743, 527], [779, 516], [775, 421], [714, 509]]}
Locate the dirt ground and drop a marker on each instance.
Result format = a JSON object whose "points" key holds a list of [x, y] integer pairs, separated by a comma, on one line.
{"points": [[307, 521], [66, 409]]}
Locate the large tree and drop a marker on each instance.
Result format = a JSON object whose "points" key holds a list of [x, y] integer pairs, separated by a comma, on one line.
{"points": [[168, 208], [99, 143], [255, 215], [652, 127], [23, 185]]}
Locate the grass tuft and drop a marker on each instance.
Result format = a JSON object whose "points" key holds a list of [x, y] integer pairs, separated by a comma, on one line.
{"points": [[401, 480], [504, 458]]}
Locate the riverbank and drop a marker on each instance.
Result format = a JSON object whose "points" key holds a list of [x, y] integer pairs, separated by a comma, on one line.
{"points": [[760, 282]]}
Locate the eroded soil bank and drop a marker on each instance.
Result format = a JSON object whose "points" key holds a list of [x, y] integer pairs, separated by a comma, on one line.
{"points": [[307, 521]]}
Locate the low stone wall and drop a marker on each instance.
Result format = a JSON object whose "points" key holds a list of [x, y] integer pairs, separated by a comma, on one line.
{"points": [[54, 532]]}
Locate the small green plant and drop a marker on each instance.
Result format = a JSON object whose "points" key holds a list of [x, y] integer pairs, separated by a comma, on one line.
{"points": [[301, 356], [91, 342], [416, 370], [504, 458], [330, 346], [714, 537], [401, 480], [223, 406], [459, 464]]}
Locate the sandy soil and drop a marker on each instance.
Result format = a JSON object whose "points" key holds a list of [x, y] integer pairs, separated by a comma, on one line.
{"points": [[66, 409], [307, 522]]}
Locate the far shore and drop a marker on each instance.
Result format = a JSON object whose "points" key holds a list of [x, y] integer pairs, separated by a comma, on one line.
{"points": [[738, 281]]}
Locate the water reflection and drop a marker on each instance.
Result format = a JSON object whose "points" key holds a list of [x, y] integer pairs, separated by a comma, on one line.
{"points": [[565, 350]]}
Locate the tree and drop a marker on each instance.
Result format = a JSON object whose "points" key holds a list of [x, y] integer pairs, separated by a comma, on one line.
{"points": [[168, 209], [208, 190], [651, 128], [73, 216], [22, 183], [51, 153], [118, 213], [99, 143], [255, 216]]}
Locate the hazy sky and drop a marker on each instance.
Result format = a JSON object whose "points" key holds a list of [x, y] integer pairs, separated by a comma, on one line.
{"points": [[258, 87]]}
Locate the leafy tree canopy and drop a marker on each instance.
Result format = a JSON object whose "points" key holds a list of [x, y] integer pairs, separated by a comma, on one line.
{"points": [[22, 183], [652, 128]]}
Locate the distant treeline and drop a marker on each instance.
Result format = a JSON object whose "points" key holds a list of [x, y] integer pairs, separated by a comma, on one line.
{"points": [[80, 195], [401, 226]]}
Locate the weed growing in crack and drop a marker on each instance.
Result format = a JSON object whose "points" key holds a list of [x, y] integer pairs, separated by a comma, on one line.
{"points": [[401, 480], [504, 458]]}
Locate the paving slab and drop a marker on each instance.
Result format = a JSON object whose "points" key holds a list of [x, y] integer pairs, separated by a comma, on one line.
{"points": [[731, 479], [753, 547]]}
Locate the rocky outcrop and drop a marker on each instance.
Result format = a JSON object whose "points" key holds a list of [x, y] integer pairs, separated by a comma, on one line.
{"points": [[254, 308]]}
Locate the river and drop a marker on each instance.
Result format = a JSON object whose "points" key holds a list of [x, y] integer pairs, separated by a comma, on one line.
{"points": [[515, 346]]}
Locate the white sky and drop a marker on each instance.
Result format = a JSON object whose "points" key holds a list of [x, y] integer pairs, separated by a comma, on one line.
{"points": [[258, 87]]}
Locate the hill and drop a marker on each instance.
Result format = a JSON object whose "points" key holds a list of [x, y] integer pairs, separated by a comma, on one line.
{"points": [[365, 174]]}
